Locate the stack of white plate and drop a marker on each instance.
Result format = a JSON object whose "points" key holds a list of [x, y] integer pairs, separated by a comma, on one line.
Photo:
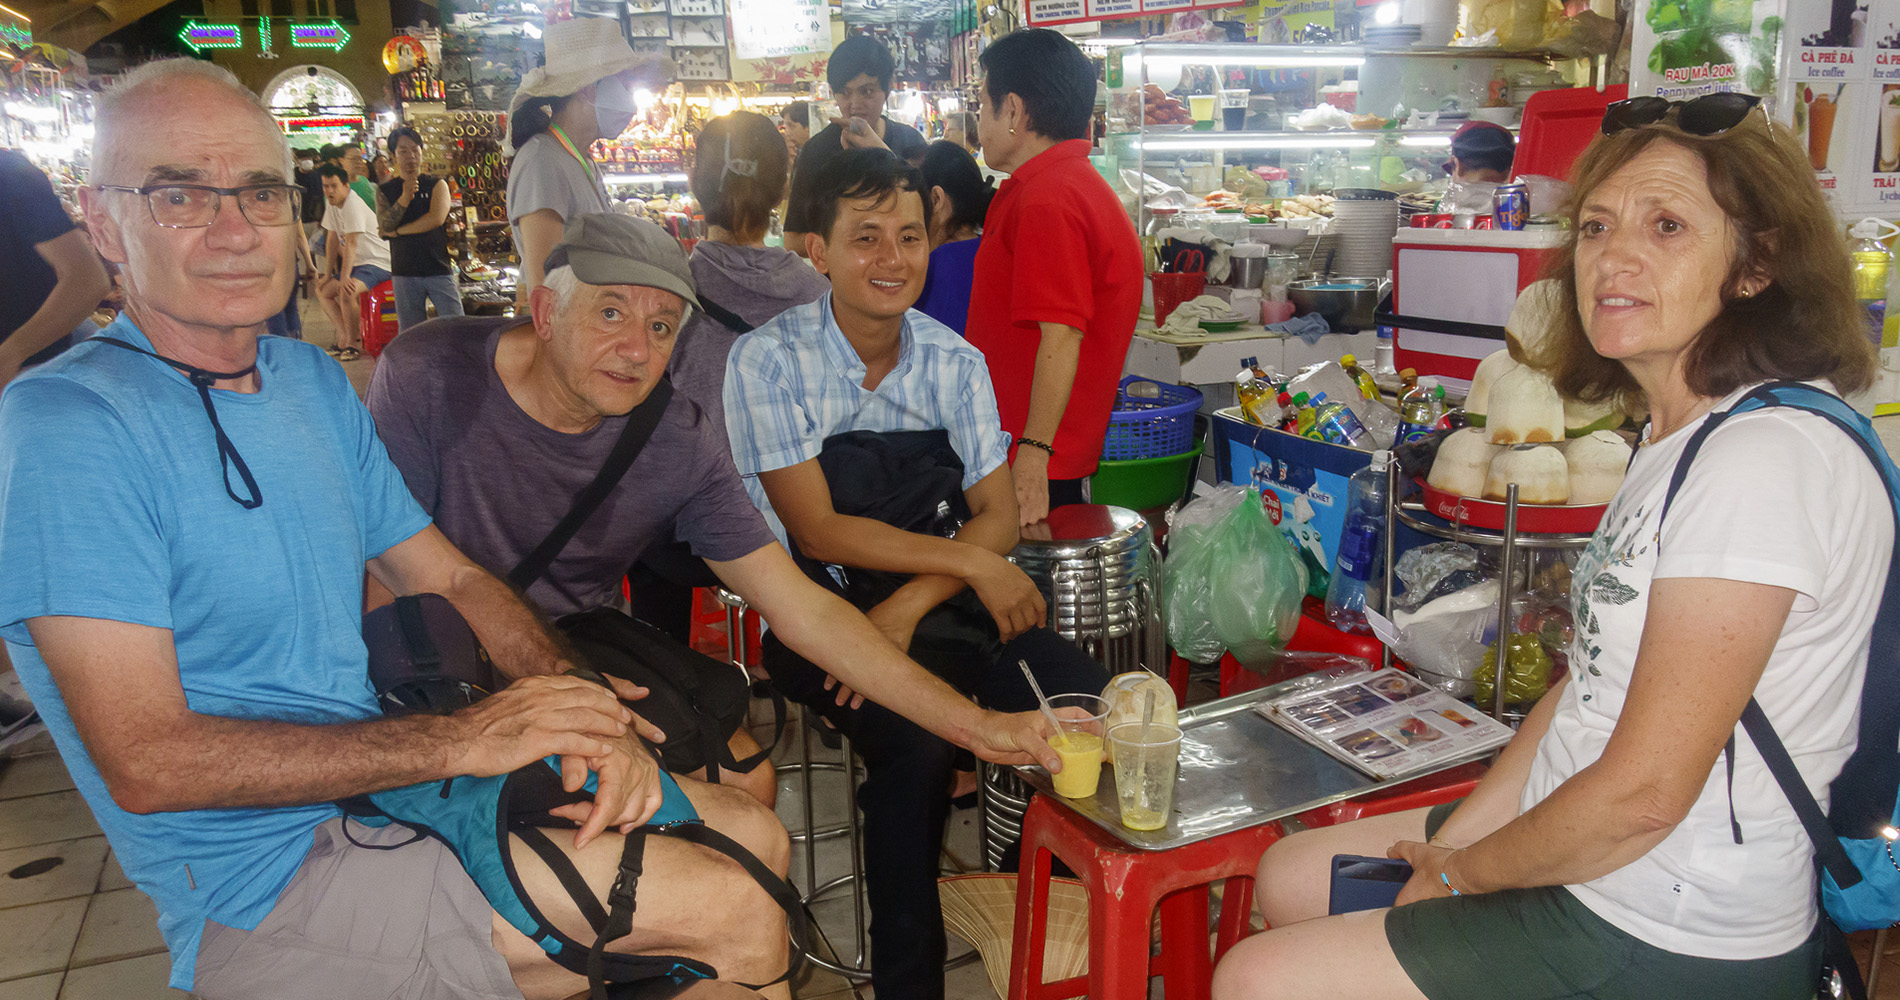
{"points": [[1365, 227]]}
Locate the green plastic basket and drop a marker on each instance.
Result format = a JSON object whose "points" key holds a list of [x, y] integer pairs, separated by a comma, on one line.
{"points": [[1143, 483]]}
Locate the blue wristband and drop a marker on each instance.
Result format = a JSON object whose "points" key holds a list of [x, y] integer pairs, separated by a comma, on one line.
{"points": [[1442, 877]]}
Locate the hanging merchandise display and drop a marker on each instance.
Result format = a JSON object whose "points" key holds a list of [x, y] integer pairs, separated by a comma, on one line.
{"points": [[477, 167]]}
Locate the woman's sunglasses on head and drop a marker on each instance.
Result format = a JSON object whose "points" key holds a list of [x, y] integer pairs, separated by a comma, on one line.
{"points": [[1711, 114]]}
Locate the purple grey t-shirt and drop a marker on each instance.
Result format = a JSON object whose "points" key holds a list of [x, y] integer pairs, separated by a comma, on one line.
{"points": [[496, 480]]}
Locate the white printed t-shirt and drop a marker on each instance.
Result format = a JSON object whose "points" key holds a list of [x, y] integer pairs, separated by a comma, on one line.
{"points": [[1776, 496], [355, 217]]}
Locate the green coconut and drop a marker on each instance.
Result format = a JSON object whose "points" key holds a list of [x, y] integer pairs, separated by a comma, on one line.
{"points": [[1583, 419], [1478, 400]]}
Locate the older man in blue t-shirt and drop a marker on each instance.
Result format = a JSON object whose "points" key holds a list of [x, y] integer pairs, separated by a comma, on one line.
{"points": [[190, 627]]}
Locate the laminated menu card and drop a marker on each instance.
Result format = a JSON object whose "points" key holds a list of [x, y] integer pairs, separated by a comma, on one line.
{"points": [[1386, 723]]}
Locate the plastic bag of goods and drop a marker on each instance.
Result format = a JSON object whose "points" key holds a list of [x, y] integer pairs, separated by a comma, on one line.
{"points": [[1446, 648], [1232, 586]]}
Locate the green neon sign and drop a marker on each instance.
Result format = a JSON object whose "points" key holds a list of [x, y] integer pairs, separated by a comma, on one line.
{"points": [[200, 37], [319, 35], [263, 34]]}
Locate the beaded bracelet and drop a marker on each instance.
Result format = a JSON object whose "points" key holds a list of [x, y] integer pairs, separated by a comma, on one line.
{"points": [[1442, 877], [1033, 443]]}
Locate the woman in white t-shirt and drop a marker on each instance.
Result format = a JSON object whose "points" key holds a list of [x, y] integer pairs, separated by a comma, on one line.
{"points": [[1608, 853]]}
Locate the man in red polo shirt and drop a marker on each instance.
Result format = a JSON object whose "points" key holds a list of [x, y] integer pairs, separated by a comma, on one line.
{"points": [[1058, 277]]}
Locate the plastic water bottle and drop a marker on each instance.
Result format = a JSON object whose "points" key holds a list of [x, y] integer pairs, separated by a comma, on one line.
{"points": [[1255, 399], [1873, 265], [1335, 422], [1356, 575]]}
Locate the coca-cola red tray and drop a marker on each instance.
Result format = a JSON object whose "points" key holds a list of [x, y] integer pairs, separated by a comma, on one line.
{"points": [[1544, 519]]}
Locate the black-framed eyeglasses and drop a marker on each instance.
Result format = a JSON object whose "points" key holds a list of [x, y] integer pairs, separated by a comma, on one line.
{"points": [[195, 206], [1710, 114]]}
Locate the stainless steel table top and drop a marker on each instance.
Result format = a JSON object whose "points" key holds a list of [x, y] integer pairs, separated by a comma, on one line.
{"points": [[1237, 770]]}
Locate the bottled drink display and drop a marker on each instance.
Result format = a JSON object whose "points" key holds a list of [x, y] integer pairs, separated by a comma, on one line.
{"points": [[1873, 266], [1357, 576], [1420, 410]]}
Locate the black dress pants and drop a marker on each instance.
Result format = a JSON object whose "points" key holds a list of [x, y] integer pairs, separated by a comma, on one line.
{"points": [[906, 790]]}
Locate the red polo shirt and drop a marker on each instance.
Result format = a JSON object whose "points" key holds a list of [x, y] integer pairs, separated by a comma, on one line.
{"points": [[1057, 248]]}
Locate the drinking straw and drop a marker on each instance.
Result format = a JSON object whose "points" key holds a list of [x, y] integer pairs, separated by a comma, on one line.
{"points": [[1041, 702]]}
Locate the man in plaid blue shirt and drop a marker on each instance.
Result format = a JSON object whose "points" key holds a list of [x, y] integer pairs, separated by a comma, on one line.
{"points": [[862, 364]]}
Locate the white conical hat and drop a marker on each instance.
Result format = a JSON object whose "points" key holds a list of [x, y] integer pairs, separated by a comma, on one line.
{"points": [[580, 51]]}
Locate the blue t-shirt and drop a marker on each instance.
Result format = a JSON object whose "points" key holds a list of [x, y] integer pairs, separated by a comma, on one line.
{"points": [[113, 506], [946, 295]]}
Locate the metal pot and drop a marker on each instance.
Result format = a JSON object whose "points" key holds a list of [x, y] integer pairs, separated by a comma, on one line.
{"points": [[1347, 304]]}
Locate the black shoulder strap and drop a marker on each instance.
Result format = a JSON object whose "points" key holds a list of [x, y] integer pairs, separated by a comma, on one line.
{"points": [[1828, 851], [726, 317], [640, 426]]}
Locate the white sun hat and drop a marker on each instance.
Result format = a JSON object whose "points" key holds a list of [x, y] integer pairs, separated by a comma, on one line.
{"points": [[579, 52]]}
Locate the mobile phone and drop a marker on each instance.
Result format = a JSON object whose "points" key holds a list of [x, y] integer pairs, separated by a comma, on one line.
{"points": [[1361, 883]]}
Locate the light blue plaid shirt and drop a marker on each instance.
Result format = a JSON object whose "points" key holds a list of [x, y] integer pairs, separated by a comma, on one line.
{"points": [[796, 381]]}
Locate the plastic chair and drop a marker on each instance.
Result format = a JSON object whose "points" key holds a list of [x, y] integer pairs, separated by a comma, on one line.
{"points": [[1312, 636], [1557, 125], [378, 307], [1126, 887]]}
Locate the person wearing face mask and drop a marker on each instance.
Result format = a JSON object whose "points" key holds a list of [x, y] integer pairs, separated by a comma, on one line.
{"points": [[584, 92], [412, 210]]}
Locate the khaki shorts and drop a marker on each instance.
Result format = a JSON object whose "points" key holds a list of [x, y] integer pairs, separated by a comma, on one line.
{"points": [[363, 919]]}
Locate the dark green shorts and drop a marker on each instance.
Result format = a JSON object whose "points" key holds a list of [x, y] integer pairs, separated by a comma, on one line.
{"points": [[1542, 944]]}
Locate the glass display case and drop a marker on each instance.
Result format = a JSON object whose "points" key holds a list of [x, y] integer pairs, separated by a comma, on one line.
{"points": [[1279, 128]]}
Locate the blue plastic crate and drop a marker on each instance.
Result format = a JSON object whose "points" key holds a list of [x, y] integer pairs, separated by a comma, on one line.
{"points": [[1154, 421]]}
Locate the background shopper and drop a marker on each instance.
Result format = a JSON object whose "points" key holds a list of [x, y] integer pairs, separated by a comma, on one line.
{"points": [[957, 198], [583, 93], [356, 260], [413, 211], [55, 278], [1058, 275], [860, 74], [738, 177]]}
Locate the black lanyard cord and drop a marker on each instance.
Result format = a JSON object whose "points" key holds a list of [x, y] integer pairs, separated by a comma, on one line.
{"points": [[227, 452]]}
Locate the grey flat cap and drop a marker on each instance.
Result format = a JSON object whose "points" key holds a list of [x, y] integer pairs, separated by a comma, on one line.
{"points": [[612, 249]]}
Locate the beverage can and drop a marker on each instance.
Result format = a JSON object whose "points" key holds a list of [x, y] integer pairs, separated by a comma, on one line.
{"points": [[1510, 206]]}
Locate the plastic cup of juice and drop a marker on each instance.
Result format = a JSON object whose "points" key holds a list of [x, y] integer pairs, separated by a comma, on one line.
{"points": [[1079, 743], [1145, 762]]}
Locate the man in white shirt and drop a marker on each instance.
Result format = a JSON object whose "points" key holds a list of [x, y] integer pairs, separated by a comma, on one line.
{"points": [[356, 259]]}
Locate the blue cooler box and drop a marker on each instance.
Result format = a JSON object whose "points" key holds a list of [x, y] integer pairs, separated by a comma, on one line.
{"points": [[1301, 481]]}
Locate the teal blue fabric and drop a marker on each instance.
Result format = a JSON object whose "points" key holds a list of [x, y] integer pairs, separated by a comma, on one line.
{"points": [[113, 506], [468, 817]]}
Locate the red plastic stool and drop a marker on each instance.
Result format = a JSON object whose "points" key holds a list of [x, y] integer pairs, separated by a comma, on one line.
{"points": [[378, 307], [1312, 636], [1125, 887]]}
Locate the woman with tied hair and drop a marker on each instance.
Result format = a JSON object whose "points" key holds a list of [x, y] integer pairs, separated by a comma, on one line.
{"points": [[1610, 851], [583, 93], [957, 198], [738, 176]]}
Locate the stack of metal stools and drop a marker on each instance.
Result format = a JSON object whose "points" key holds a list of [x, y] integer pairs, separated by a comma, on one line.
{"points": [[1099, 572]]}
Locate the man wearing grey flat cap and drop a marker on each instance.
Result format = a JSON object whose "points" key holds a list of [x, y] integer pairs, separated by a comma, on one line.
{"points": [[497, 424]]}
